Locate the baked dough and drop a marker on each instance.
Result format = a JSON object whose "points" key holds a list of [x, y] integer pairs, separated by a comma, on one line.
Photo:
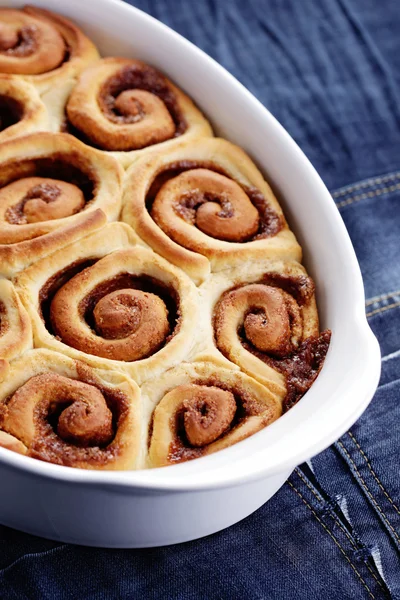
{"points": [[198, 295], [49, 184], [191, 203], [126, 107], [90, 271], [42, 47], [263, 317], [212, 407], [15, 325], [61, 411], [22, 110]]}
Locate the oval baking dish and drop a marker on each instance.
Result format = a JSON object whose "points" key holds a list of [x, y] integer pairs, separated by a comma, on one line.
{"points": [[186, 501]]}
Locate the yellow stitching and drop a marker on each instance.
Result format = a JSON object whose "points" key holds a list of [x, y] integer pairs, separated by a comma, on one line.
{"points": [[298, 472], [379, 192], [365, 184], [375, 476], [382, 297], [333, 537], [339, 523], [382, 309], [370, 495], [318, 497]]}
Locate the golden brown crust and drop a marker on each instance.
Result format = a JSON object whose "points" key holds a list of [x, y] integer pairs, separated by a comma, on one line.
{"points": [[53, 49], [194, 402], [121, 264], [15, 325], [61, 411], [52, 188], [22, 109], [256, 312], [128, 108], [178, 236], [9, 442], [15, 257]]}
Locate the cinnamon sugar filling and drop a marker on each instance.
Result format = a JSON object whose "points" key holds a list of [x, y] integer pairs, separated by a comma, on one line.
{"points": [[4, 324], [115, 309], [208, 413], [54, 283], [265, 222], [148, 285], [135, 77], [19, 43], [43, 41], [70, 169], [272, 329], [66, 421], [128, 97]]}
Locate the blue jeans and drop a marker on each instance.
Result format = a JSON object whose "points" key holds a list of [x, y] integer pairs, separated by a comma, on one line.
{"points": [[330, 71]]}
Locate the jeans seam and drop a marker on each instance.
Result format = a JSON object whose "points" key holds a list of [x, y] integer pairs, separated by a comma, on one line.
{"points": [[372, 194], [369, 494], [374, 475], [304, 480], [340, 525], [336, 541], [332, 513], [366, 184], [382, 309], [382, 297]]}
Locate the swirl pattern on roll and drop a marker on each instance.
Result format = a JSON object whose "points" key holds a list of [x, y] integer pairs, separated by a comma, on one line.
{"points": [[126, 105], [214, 203], [205, 207], [202, 409], [272, 325], [61, 411], [48, 183], [109, 301], [118, 321], [41, 45]]}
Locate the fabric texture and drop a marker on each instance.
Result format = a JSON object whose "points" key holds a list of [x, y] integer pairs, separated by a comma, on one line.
{"points": [[330, 72]]}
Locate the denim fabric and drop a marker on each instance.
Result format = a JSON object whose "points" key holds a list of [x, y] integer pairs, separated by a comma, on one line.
{"points": [[330, 72]]}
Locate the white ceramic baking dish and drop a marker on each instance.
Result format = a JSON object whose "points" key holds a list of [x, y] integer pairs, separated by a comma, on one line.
{"points": [[187, 501]]}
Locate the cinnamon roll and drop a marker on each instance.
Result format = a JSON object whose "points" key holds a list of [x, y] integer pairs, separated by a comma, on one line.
{"points": [[263, 317], [21, 109], [61, 411], [112, 303], [42, 47], [51, 187], [127, 107], [101, 301], [206, 207], [200, 409], [15, 325]]}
